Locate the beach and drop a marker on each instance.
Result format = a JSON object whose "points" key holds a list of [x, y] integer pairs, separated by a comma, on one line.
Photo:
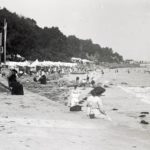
{"points": [[41, 121]]}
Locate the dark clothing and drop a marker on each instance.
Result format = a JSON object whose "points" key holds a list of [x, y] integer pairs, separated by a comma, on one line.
{"points": [[16, 87], [93, 82], [76, 108], [87, 79], [12, 78], [34, 79], [43, 79]]}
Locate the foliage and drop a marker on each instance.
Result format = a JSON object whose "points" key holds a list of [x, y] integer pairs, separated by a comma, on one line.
{"points": [[26, 38]]}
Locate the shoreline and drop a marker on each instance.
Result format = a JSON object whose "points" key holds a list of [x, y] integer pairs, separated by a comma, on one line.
{"points": [[44, 121]]}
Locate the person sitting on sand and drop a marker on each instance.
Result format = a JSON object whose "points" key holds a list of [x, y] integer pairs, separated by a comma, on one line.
{"points": [[15, 86], [42, 79], [95, 107], [74, 99], [12, 77]]}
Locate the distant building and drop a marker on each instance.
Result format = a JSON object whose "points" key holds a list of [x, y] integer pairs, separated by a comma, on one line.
{"points": [[129, 61], [79, 60]]}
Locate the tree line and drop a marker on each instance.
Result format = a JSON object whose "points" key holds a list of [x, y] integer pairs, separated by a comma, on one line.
{"points": [[26, 38]]}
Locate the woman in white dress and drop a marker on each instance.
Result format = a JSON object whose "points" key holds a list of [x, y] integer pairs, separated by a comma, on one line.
{"points": [[74, 97], [94, 104]]}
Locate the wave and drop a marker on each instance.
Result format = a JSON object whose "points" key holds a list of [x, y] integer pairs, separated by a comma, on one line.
{"points": [[143, 93]]}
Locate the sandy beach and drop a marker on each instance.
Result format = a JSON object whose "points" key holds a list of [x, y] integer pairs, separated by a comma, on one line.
{"points": [[39, 121]]}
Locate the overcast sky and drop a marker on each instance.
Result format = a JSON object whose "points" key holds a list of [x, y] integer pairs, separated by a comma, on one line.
{"points": [[123, 25]]}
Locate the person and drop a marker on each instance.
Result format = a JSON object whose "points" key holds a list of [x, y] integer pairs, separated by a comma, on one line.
{"points": [[21, 73], [83, 83], [73, 101], [93, 82], [95, 108], [102, 72], [42, 78], [35, 79], [77, 80], [12, 77], [87, 78], [15, 86]]}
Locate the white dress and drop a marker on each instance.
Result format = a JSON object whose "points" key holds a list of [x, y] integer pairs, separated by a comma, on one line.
{"points": [[74, 98], [94, 105]]}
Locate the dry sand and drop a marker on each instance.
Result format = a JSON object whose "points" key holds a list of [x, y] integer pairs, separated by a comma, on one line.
{"points": [[35, 122]]}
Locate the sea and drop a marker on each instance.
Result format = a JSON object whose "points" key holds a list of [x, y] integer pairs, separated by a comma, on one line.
{"points": [[137, 82], [143, 93]]}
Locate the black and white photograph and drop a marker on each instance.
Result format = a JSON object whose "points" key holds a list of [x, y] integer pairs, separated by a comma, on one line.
{"points": [[74, 75]]}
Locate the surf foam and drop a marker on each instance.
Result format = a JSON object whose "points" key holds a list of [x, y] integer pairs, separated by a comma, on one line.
{"points": [[141, 92]]}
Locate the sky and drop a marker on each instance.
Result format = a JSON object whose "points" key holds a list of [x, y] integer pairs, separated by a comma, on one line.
{"points": [[123, 25]]}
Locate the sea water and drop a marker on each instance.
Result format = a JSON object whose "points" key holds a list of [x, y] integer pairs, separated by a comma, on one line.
{"points": [[143, 93]]}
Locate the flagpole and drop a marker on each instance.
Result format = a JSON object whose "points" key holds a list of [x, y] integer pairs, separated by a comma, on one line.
{"points": [[0, 47], [5, 38]]}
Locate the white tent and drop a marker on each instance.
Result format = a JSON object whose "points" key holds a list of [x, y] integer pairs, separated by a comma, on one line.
{"points": [[23, 64], [35, 63], [38, 63], [80, 60], [86, 61], [14, 64], [11, 63]]}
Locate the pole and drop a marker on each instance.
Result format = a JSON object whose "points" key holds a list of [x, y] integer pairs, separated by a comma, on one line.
{"points": [[0, 46], [5, 38], [81, 50], [0, 59]]}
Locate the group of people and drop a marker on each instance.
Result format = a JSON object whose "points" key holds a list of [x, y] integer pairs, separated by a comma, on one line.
{"points": [[86, 81], [41, 77], [93, 102]]}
